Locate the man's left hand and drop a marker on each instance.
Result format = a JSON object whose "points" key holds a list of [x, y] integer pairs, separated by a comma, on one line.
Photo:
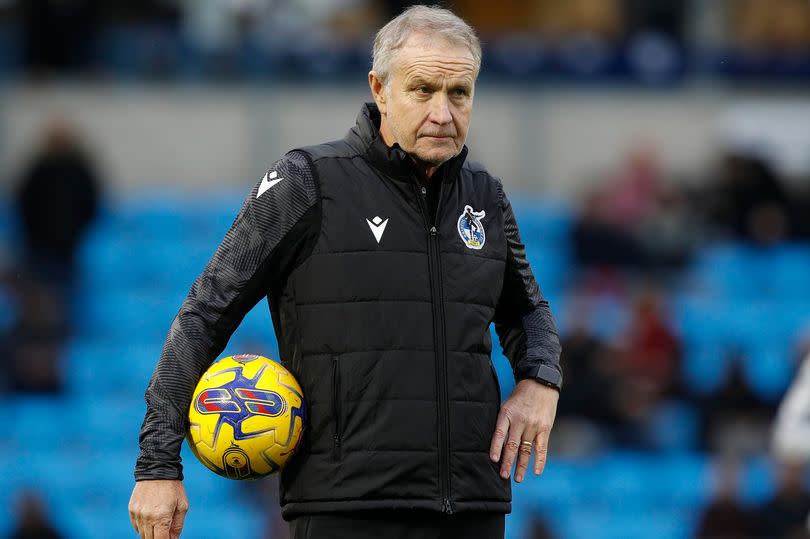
{"points": [[526, 416]]}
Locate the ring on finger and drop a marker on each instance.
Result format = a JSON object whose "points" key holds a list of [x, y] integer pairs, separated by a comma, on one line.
{"points": [[526, 446]]}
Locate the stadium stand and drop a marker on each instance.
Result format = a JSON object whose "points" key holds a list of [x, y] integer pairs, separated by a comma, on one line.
{"points": [[140, 258]]}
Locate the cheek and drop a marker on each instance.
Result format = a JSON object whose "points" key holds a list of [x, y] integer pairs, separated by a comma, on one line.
{"points": [[462, 115]]}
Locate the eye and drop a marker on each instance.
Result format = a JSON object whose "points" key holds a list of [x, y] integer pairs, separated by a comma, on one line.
{"points": [[423, 89], [460, 92]]}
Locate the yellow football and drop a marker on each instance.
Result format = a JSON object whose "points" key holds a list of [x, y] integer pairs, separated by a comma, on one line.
{"points": [[246, 417]]}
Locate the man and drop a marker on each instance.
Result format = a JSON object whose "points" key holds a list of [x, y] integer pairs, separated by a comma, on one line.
{"points": [[381, 294]]}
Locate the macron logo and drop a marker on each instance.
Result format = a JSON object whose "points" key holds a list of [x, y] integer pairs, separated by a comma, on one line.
{"points": [[377, 227], [269, 180]]}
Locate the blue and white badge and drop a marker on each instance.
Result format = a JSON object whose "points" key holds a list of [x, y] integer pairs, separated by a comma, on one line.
{"points": [[470, 228]]}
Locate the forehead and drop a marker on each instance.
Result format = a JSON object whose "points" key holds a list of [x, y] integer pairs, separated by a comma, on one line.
{"points": [[423, 56]]}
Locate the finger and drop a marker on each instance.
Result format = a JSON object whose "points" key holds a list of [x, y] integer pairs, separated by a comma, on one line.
{"points": [[501, 427], [146, 529], [140, 525], [132, 520], [177, 522], [524, 456], [540, 451], [512, 445], [161, 530]]}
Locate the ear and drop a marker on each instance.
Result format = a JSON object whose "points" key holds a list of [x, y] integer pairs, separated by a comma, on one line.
{"points": [[377, 91]]}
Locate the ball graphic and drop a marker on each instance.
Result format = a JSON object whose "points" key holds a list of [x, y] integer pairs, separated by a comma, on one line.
{"points": [[246, 417]]}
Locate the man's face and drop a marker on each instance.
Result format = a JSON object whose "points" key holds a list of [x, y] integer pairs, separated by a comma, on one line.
{"points": [[427, 104]]}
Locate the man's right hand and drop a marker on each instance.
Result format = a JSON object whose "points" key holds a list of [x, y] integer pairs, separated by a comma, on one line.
{"points": [[157, 508]]}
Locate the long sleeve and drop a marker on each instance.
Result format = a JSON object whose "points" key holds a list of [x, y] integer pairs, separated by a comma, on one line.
{"points": [[276, 226], [523, 319]]}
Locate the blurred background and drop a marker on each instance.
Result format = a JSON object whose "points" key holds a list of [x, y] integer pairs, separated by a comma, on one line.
{"points": [[657, 153]]}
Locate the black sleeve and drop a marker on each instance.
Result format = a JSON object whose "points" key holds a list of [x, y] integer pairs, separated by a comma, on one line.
{"points": [[523, 319], [274, 230]]}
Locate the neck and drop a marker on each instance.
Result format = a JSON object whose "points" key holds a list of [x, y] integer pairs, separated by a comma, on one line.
{"points": [[425, 168]]}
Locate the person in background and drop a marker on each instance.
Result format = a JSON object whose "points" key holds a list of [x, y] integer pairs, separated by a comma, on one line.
{"points": [[32, 520], [57, 199], [725, 517]]}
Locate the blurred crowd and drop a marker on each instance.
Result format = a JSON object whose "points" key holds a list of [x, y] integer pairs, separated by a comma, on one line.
{"points": [[645, 41], [633, 241]]}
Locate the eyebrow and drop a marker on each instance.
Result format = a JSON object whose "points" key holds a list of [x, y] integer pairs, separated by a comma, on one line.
{"points": [[417, 80]]}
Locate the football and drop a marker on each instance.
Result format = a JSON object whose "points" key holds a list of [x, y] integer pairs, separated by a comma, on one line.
{"points": [[246, 417]]}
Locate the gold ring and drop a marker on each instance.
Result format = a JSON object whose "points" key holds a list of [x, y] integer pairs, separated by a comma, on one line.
{"points": [[526, 442]]}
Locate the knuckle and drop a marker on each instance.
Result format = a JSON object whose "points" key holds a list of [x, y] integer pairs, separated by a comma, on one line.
{"points": [[155, 517], [512, 444], [500, 433]]}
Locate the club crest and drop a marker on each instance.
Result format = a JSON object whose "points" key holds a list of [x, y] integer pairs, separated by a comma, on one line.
{"points": [[470, 228]]}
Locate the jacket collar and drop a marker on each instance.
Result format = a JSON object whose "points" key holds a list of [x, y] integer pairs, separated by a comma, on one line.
{"points": [[392, 160]]}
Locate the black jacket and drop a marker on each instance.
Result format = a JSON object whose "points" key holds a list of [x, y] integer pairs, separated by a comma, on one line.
{"points": [[382, 312]]}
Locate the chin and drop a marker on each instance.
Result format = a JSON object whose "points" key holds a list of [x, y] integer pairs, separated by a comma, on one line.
{"points": [[437, 156]]}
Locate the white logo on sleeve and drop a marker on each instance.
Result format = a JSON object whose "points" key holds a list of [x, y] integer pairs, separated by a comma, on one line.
{"points": [[269, 180], [377, 227]]}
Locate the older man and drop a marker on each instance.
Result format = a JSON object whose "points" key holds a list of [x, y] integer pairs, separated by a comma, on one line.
{"points": [[385, 256]]}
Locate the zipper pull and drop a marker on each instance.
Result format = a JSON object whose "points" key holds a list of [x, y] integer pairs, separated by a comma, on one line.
{"points": [[433, 231], [446, 507]]}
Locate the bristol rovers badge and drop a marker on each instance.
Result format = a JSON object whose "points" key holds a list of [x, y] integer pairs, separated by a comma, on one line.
{"points": [[470, 228]]}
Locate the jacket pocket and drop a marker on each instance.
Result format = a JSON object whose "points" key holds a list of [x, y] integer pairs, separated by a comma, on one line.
{"points": [[495, 377], [336, 408]]}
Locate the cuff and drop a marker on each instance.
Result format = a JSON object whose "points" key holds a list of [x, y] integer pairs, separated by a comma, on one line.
{"points": [[150, 470], [543, 373]]}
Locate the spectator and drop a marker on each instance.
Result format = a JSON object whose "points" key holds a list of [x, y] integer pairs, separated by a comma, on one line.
{"points": [[31, 362], [585, 413], [538, 529], [749, 201], [32, 522], [725, 517], [653, 351], [598, 242], [56, 200], [670, 231], [735, 419]]}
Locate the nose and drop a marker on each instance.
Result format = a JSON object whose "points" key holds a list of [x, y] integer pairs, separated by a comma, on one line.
{"points": [[440, 109]]}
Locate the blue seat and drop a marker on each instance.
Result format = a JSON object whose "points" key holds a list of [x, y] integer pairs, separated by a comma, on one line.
{"points": [[545, 220], [757, 481], [785, 272], [98, 369], [702, 326], [724, 270]]}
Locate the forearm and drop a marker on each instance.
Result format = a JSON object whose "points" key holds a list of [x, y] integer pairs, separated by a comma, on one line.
{"points": [[532, 346], [185, 356]]}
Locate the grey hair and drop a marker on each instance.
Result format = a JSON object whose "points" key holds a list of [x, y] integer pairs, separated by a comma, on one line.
{"points": [[433, 21]]}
